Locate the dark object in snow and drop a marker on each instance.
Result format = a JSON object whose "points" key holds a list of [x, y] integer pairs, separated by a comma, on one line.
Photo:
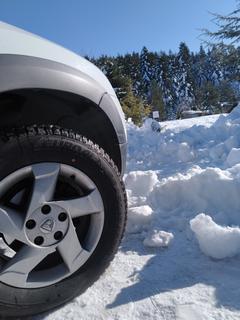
{"points": [[155, 125], [193, 114]]}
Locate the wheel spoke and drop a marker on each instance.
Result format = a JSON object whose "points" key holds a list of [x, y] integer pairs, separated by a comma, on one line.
{"points": [[45, 179], [71, 249], [83, 206], [11, 225], [47, 226], [16, 271]]}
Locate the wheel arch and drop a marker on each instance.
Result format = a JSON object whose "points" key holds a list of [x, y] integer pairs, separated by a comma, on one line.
{"points": [[36, 90], [22, 107]]}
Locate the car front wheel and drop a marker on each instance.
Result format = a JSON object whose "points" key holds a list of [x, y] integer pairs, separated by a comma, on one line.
{"points": [[62, 216]]}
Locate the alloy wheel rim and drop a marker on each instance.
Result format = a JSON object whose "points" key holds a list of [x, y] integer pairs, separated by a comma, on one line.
{"points": [[50, 246]]}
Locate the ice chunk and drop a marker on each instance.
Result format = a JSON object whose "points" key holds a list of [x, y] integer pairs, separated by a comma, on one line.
{"points": [[138, 218], [233, 157], [158, 239], [214, 240], [184, 152], [141, 183]]}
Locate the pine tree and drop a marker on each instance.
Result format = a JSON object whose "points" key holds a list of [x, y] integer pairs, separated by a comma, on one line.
{"points": [[199, 67], [228, 26], [157, 103], [215, 65], [145, 71], [133, 107], [207, 97], [166, 80], [228, 98], [230, 63], [130, 68], [183, 79]]}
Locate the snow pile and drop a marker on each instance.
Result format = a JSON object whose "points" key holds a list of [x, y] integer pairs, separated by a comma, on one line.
{"points": [[183, 187], [138, 218], [214, 240], [141, 183], [197, 169], [208, 145]]}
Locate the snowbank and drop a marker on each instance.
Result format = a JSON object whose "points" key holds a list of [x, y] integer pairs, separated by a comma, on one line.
{"points": [[208, 145], [190, 167], [197, 169]]}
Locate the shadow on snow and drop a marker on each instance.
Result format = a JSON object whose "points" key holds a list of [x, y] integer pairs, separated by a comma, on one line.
{"points": [[181, 267]]}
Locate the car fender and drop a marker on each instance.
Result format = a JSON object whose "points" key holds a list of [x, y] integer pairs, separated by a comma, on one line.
{"points": [[24, 72]]}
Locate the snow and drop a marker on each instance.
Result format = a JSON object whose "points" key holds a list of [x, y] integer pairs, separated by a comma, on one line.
{"points": [[141, 183], [138, 218], [158, 239], [179, 125], [233, 156], [180, 255], [214, 240]]}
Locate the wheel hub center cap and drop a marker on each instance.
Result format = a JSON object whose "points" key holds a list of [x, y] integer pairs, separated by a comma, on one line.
{"points": [[47, 225]]}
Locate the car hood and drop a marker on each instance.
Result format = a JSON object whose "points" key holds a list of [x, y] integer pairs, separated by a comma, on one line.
{"points": [[17, 41]]}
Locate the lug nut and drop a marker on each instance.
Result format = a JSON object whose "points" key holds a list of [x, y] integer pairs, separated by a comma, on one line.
{"points": [[46, 209], [62, 216], [39, 240], [58, 235], [30, 224]]}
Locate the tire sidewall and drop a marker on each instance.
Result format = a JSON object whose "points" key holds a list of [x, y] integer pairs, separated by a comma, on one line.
{"points": [[85, 156]]}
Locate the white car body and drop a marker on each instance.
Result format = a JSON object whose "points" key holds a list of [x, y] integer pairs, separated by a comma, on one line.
{"points": [[29, 62], [14, 40]]}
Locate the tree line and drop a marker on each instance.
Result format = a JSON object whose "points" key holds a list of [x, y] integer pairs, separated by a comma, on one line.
{"points": [[207, 80], [173, 82]]}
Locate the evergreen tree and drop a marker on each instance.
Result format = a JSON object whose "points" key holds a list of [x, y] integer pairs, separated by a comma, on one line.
{"points": [[228, 26], [207, 97], [230, 63], [130, 68], [157, 103], [145, 71], [133, 107], [183, 79], [166, 81], [177, 81], [199, 67], [227, 98]]}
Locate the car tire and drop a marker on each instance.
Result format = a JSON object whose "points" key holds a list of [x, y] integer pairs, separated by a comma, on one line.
{"points": [[43, 147]]}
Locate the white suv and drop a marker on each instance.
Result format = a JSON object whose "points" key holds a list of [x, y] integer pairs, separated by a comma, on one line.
{"points": [[62, 155]]}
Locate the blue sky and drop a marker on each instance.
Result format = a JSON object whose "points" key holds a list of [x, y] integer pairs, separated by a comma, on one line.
{"points": [[115, 27]]}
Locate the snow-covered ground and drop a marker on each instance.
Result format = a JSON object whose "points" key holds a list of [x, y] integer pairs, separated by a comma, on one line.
{"points": [[180, 258]]}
